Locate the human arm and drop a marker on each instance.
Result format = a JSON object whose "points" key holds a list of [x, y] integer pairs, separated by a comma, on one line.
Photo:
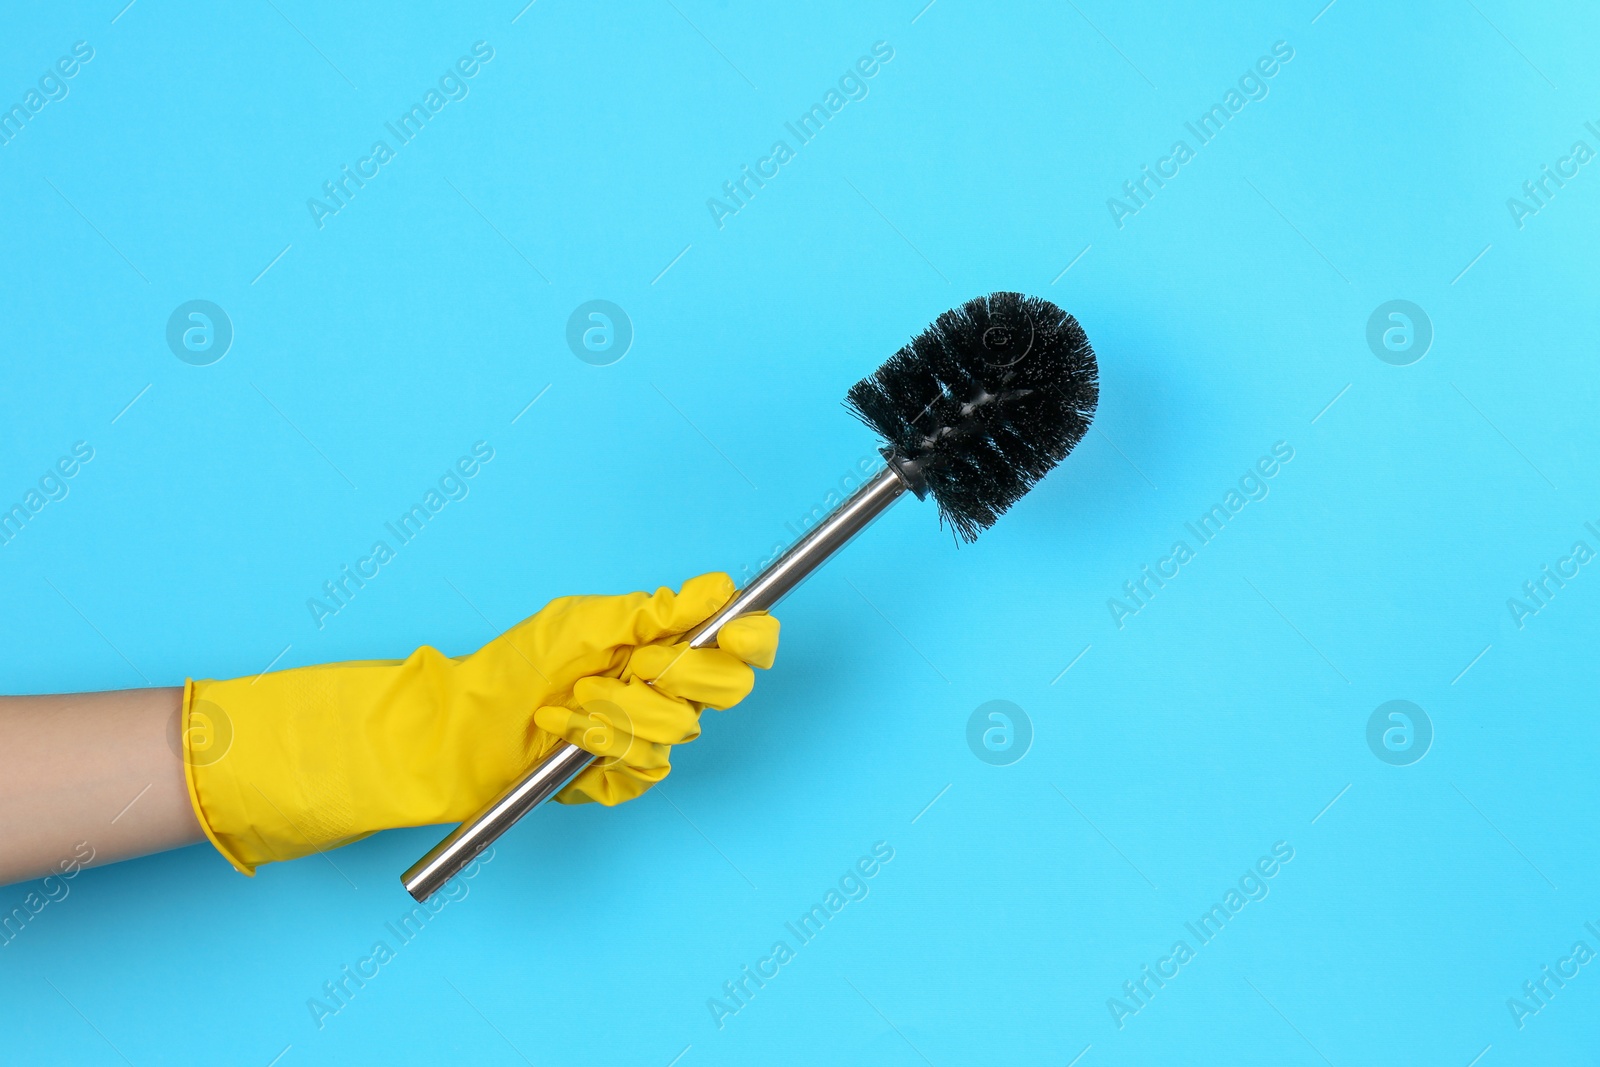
{"points": [[101, 770]]}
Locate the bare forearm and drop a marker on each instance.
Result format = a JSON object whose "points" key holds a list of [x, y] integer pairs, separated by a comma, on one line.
{"points": [[99, 768]]}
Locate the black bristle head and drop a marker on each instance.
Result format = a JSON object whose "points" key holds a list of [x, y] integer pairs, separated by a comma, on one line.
{"points": [[983, 403]]}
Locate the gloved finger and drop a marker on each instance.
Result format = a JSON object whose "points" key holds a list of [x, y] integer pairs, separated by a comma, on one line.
{"points": [[610, 786], [753, 638], [653, 715], [603, 729], [707, 676]]}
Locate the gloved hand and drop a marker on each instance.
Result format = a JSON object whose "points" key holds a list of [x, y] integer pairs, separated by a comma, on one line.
{"points": [[309, 759]]}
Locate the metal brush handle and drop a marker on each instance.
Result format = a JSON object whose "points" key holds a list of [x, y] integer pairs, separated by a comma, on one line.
{"points": [[446, 859]]}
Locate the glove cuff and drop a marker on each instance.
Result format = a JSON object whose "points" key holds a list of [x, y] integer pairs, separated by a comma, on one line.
{"points": [[265, 761], [186, 731]]}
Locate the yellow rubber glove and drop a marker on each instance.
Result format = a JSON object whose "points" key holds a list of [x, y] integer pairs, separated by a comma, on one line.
{"points": [[309, 759]]}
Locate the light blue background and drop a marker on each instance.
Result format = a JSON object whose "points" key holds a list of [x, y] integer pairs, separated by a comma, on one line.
{"points": [[1223, 718]]}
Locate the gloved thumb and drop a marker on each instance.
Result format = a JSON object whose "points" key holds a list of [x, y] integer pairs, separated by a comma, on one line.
{"points": [[579, 633], [666, 614]]}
